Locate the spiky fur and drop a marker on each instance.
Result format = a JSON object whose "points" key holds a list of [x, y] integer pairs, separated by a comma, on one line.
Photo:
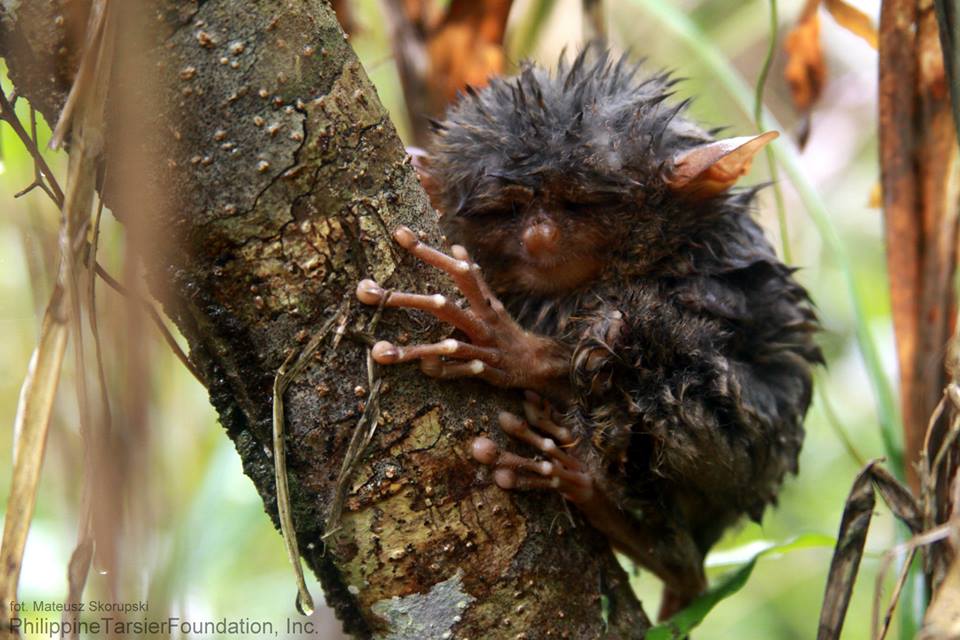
{"points": [[693, 348]]}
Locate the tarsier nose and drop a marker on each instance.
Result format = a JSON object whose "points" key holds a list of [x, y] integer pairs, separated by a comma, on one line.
{"points": [[540, 238]]}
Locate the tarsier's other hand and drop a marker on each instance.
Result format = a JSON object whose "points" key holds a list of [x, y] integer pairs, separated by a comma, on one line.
{"points": [[562, 471], [570, 471], [500, 351]]}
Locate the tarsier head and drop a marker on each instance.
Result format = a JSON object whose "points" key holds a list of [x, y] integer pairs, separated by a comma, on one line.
{"points": [[549, 179]]}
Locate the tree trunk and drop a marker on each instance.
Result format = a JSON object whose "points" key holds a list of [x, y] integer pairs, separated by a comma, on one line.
{"points": [[248, 151]]}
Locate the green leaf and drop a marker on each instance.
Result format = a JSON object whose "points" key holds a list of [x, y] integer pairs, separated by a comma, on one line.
{"points": [[680, 625], [751, 550]]}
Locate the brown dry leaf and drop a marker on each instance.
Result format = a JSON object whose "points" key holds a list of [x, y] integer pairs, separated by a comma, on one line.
{"points": [[846, 557], [853, 20], [466, 49], [898, 498], [805, 70], [943, 615], [853, 534], [920, 194]]}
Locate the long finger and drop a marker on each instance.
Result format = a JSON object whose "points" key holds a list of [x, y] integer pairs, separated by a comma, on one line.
{"points": [[485, 451], [445, 310], [464, 272], [539, 416], [510, 479], [436, 368], [388, 353], [520, 430], [475, 288]]}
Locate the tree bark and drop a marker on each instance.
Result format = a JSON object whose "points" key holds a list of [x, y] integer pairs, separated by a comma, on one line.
{"points": [[249, 152]]}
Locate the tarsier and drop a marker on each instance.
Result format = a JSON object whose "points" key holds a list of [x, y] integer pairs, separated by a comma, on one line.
{"points": [[620, 280]]}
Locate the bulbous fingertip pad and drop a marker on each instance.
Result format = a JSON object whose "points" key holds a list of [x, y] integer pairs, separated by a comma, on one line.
{"points": [[385, 352], [405, 237], [369, 292], [484, 451]]}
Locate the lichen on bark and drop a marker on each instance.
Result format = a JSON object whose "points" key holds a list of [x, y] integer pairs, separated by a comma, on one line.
{"points": [[281, 177]]}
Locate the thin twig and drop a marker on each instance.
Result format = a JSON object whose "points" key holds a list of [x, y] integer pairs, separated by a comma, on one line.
{"points": [[90, 90], [362, 433], [8, 115], [95, 325], [38, 181], [88, 64], [52, 188], [909, 547], [290, 368], [155, 316]]}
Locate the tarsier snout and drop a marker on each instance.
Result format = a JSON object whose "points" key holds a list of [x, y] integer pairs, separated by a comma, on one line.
{"points": [[541, 238]]}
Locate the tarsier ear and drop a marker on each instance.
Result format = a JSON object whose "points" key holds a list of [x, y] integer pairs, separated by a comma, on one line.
{"points": [[420, 160], [712, 168]]}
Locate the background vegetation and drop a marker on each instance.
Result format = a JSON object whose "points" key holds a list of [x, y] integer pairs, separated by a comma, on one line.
{"points": [[191, 501]]}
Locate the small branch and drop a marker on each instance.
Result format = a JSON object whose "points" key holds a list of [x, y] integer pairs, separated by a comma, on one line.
{"points": [[8, 115], [289, 370], [45, 180]]}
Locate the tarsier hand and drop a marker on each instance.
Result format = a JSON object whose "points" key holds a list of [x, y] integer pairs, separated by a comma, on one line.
{"points": [[562, 471], [500, 351]]}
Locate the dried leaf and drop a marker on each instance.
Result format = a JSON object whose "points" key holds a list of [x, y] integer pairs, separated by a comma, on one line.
{"points": [[898, 498], [805, 71], [846, 557], [466, 49], [942, 620], [853, 20], [850, 541], [920, 196]]}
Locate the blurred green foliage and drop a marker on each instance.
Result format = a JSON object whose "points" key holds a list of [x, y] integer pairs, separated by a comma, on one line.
{"points": [[201, 543]]}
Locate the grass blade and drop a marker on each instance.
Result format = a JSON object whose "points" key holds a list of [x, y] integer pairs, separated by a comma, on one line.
{"points": [[30, 438], [525, 37], [758, 117]]}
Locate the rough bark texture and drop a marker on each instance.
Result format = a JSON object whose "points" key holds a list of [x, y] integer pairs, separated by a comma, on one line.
{"points": [[283, 177]]}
